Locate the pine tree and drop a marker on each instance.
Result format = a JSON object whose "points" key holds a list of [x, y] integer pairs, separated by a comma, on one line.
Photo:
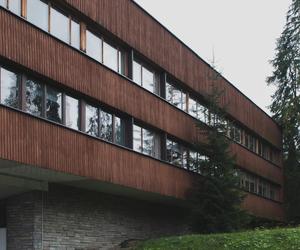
{"points": [[216, 197], [286, 105]]}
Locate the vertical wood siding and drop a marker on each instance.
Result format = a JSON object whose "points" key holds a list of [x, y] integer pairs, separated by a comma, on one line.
{"points": [[131, 24]]}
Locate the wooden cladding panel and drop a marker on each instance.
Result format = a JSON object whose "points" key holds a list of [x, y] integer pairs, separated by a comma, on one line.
{"points": [[42, 144], [127, 21], [59, 62], [256, 165], [46, 145], [263, 208]]}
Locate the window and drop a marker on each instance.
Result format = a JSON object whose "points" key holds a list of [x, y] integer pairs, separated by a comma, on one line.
{"points": [[75, 34], [198, 111], [145, 77], [34, 97], [37, 13], [106, 126], [110, 56], [119, 131], [194, 161], [72, 112], [175, 96], [93, 46], [59, 25], [91, 120], [145, 141], [193, 108], [137, 73], [148, 80], [15, 6], [176, 154], [9, 88], [54, 105]]}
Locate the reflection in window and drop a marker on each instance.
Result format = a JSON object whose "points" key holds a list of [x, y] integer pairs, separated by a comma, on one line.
{"points": [[198, 111], [75, 34], [176, 154], [145, 77], [137, 138], [9, 88], [148, 81], [110, 56], [145, 141], [72, 112], [91, 120], [137, 73], [15, 6], [119, 131], [34, 98], [59, 25], [175, 96], [195, 161], [93, 46], [106, 126], [37, 13], [54, 105]]}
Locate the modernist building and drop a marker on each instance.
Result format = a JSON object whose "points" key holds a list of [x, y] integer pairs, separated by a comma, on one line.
{"points": [[97, 123]]}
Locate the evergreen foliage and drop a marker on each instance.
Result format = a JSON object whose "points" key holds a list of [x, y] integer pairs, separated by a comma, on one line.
{"points": [[286, 105], [216, 197]]}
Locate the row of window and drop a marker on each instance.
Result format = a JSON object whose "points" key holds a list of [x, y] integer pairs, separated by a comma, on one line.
{"points": [[42, 100], [45, 101], [63, 26], [256, 185]]}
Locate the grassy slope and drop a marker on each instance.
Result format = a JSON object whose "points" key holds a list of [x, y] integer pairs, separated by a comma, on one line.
{"points": [[276, 239]]}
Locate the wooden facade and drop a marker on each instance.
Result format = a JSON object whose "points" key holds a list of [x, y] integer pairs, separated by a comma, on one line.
{"points": [[39, 143]]}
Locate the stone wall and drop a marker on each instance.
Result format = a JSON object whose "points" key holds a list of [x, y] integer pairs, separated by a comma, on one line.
{"points": [[70, 218]]}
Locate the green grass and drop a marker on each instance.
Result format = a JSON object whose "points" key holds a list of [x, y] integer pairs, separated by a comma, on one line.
{"points": [[275, 239]]}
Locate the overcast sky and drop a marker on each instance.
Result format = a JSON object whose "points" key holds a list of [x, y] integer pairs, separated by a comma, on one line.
{"points": [[242, 34]]}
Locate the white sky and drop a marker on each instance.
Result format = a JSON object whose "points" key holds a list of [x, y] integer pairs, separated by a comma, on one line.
{"points": [[242, 34]]}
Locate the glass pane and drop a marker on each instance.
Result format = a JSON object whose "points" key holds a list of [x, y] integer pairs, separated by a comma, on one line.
{"points": [[137, 71], [106, 126], [75, 34], [9, 88], [72, 112], [183, 107], [34, 98], [177, 154], [169, 145], [3, 3], [137, 138], [148, 142], [110, 56], [93, 46], [54, 105], [59, 25], [15, 6], [119, 131], [193, 108], [193, 161], [177, 98], [169, 92], [202, 113], [148, 80], [91, 120], [37, 13]]}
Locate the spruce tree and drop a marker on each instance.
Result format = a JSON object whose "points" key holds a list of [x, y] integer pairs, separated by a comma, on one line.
{"points": [[216, 197], [286, 105]]}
